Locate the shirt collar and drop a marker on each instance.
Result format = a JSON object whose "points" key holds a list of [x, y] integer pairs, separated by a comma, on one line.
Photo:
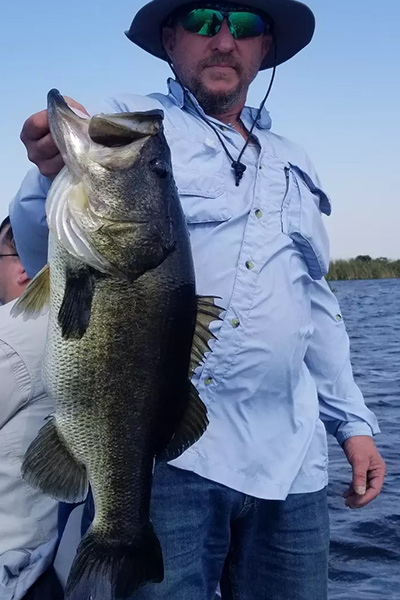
{"points": [[177, 94]]}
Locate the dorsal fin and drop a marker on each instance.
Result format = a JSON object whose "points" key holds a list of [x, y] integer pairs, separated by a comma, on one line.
{"points": [[194, 421], [207, 311], [192, 426]]}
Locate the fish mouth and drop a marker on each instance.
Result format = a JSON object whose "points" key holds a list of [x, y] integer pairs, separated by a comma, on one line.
{"points": [[122, 129], [102, 138]]}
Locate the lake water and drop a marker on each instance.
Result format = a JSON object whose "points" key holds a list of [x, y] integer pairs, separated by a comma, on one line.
{"points": [[365, 548]]}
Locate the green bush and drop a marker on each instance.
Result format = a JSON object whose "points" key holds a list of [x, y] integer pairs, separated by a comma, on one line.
{"points": [[364, 267]]}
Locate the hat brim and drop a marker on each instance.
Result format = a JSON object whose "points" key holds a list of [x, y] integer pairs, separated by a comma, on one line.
{"points": [[294, 25]]}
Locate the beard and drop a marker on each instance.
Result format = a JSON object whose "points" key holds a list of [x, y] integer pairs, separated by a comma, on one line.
{"points": [[216, 103]]}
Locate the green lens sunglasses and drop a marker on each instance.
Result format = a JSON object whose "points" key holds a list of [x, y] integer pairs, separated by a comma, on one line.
{"points": [[208, 21]]}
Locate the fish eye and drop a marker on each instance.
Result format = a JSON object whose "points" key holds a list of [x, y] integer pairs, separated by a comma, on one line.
{"points": [[160, 167]]}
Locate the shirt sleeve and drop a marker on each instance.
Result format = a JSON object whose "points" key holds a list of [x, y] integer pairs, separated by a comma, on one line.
{"points": [[342, 406], [28, 221], [15, 383]]}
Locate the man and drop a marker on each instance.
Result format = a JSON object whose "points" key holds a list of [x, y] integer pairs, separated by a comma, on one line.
{"points": [[28, 519], [246, 505]]}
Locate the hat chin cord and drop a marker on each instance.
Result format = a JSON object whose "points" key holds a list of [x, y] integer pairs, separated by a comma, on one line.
{"points": [[237, 166]]}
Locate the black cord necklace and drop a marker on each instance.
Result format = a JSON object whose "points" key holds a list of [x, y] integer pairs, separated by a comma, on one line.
{"points": [[237, 166]]}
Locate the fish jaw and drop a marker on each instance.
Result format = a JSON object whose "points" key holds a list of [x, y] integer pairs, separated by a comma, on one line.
{"points": [[113, 141], [69, 132]]}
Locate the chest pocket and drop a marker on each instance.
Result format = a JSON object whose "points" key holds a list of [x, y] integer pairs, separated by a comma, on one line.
{"points": [[203, 197], [301, 219]]}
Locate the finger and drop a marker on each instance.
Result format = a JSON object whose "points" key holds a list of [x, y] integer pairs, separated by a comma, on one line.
{"points": [[75, 104], [348, 492], [43, 149], [375, 483], [35, 127], [357, 501], [359, 482], [51, 168], [376, 478]]}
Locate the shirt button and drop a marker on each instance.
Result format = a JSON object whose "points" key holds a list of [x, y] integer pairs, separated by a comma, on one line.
{"points": [[260, 167], [249, 265], [258, 213], [208, 381], [235, 323]]}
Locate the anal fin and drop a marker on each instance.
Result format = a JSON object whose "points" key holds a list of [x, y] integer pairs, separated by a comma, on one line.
{"points": [[50, 467], [192, 426]]}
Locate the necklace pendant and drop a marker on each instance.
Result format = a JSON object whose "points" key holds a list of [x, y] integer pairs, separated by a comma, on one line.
{"points": [[239, 168]]}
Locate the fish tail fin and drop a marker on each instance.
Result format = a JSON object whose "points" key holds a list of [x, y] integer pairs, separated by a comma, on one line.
{"points": [[108, 569]]}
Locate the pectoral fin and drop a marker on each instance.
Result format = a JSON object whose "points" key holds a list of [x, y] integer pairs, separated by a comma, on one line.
{"points": [[35, 297], [74, 314]]}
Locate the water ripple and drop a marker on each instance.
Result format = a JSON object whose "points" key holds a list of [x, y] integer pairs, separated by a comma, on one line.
{"points": [[365, 546]]}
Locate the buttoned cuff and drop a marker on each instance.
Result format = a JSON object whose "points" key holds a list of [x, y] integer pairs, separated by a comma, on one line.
{"points": [[348, 430]]}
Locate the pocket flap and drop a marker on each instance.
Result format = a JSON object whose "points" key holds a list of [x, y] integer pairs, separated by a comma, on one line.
{"points": [[203, 196], [324, 205], [302, 220]]}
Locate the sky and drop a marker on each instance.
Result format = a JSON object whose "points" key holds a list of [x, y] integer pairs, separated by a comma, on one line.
{"points": [[338, 98]]}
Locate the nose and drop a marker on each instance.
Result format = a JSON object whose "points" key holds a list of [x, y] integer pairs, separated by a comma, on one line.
{"points": [[223, 41]]}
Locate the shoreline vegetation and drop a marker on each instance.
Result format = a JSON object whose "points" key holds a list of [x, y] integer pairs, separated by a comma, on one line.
{"points": [[364, 267]]}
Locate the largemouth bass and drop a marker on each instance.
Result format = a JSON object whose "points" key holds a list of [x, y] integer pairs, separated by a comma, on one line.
{"points": [[125, 331]]}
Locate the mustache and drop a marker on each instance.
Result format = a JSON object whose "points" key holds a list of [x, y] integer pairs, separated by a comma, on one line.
{"points": [[220, 59]]}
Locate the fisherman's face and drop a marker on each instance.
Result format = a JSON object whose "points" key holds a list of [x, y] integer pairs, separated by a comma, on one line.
{"points": [[219, 69]]}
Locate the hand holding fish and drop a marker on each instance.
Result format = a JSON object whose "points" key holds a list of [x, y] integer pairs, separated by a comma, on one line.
{"points": [[42, 150], [368, 470]]}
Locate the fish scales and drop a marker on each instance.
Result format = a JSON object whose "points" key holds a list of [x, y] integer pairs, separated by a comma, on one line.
{"points": [[116, 361]]}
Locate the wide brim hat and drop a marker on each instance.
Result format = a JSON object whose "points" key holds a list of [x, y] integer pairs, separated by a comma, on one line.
{"points": [[294, 25]]}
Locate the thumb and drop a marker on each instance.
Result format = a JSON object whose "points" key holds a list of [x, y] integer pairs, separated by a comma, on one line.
{"points": [[74, 104], [360, 469]]}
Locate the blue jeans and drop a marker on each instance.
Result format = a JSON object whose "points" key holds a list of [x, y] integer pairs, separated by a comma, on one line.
{"points": [[257, 549]]}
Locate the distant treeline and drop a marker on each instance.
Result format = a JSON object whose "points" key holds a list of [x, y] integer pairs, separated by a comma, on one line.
{"points": [[364, 267]]}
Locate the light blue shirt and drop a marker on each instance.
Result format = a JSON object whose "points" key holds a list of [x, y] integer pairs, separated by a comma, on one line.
{"points": [[279, 371]]}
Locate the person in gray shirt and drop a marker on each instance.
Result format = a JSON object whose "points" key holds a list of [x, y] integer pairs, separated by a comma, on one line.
{"points": [[28, 519]]}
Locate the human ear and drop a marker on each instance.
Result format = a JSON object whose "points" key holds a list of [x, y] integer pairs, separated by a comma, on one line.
{"points": [[168, 40], [266, 44], [22, 278]]}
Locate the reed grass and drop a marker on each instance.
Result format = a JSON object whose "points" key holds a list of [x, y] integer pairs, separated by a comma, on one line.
{"points": [[364, 267]]}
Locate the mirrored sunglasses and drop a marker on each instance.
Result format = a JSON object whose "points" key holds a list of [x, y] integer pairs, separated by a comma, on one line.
{"points": [[208, 21]]}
